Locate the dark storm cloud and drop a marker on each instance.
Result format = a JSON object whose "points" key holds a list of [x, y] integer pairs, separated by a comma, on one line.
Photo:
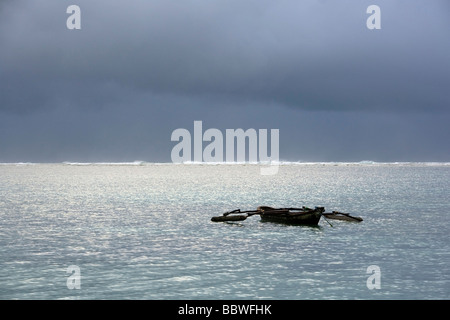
{"points": [[114, 90], [315, 55]]}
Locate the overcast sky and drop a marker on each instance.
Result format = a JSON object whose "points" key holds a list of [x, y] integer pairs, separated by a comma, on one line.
{"points": [[137, 70]]}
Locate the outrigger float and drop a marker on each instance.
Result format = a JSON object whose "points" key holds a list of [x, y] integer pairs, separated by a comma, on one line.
{"points": [[297, 216], [342, 216]]}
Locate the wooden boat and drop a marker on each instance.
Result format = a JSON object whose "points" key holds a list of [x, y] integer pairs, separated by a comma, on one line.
{"points": [[336, 215], [298, 216]]}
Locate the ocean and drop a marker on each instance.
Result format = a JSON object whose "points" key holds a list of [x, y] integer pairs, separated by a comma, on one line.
{"points": [[143, 231]]}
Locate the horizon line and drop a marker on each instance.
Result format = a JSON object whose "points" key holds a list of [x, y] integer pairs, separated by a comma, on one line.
{"points": [[273, 163]]}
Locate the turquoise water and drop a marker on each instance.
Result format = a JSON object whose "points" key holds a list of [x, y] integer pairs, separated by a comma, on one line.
{"points": [[143, 231]]}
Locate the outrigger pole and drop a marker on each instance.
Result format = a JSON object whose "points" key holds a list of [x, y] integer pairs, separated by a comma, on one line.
{"points": [[227, 216]]}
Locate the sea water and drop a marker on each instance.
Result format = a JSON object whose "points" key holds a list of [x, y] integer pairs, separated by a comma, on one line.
{"points": [[143, 231]]}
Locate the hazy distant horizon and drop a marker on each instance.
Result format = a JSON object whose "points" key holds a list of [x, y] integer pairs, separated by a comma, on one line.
{"points": [[281, 163]]}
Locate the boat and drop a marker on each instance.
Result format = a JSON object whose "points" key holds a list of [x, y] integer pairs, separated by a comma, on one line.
{"points": [[298, 216], [336, 215]]}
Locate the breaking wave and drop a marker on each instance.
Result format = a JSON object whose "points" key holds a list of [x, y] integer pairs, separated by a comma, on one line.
{"points": [[273, 163]]}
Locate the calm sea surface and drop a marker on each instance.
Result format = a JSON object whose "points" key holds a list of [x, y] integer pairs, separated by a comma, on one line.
{"points": [[143, 231]]}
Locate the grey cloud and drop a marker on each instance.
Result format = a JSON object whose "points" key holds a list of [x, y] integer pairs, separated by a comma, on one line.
{"points": [[114, 90], [315, 55]]}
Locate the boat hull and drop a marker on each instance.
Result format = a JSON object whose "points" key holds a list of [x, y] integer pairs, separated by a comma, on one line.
{"points": [[307, 217]]}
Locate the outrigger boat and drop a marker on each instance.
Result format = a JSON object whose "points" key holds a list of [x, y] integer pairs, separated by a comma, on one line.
{"points": [[298, 216]]}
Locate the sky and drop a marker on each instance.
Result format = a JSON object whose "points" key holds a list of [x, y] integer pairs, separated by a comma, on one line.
{"points": [[137, 70]]}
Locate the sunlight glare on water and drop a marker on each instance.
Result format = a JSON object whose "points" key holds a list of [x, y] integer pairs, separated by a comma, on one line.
{"points": [[143, 231]]}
